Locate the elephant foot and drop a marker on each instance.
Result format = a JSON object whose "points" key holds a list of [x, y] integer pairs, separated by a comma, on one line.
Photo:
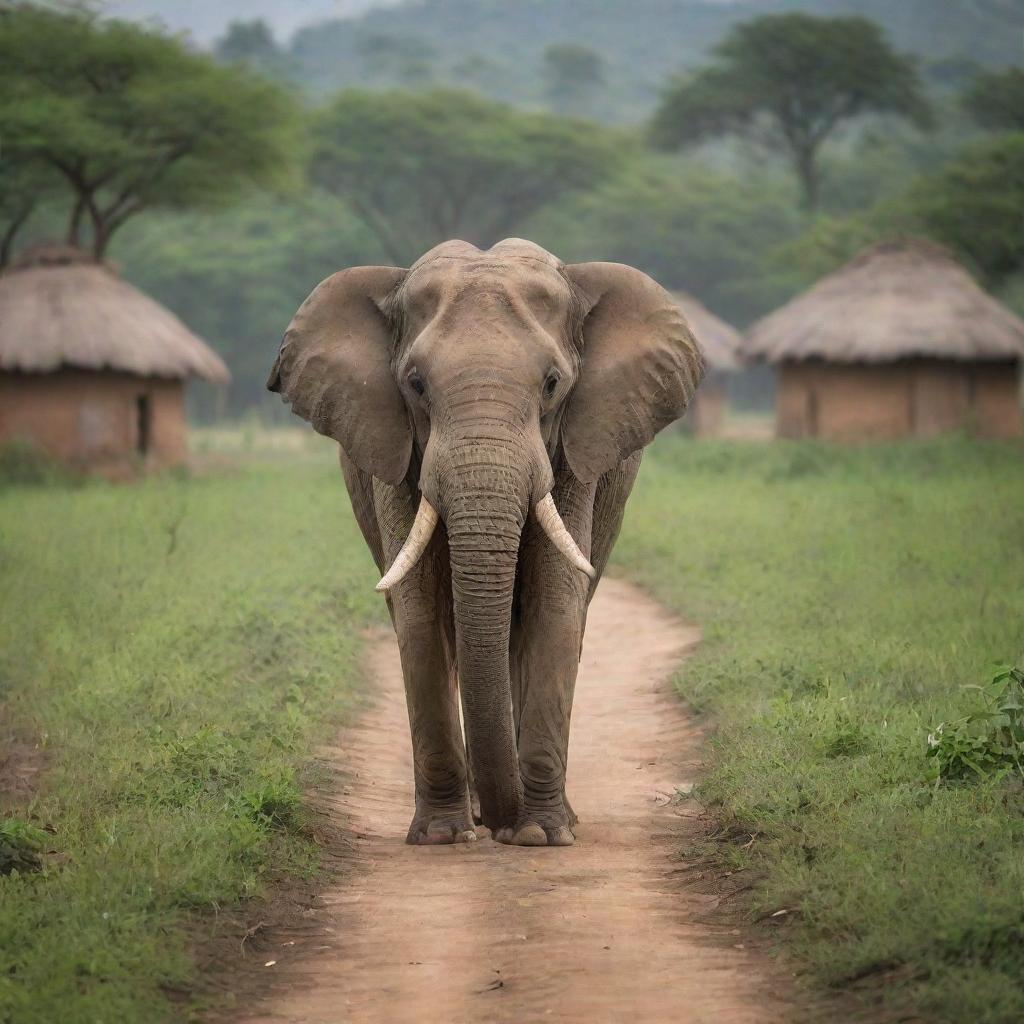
{"points": [[441, 828], [538, 828]]}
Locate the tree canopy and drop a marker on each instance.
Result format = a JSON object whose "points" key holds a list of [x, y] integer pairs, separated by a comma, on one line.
{"points": [[252, 44], [971, 204], [700, 231], [239, 275], [974, 205], [129, 119], [419, 169], [574, 78], [641, 42], [790, 81], [995, 99]]}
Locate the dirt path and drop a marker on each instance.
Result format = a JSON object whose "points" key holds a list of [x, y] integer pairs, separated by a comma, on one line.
{"points": [[595, 933]]}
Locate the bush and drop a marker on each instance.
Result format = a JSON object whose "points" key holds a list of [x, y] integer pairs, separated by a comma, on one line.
{"points": [[23, 463], [990, 740], [20, 844]]}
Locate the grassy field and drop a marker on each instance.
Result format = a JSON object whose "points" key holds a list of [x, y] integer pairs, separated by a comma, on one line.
{"points": [[179, 646], [851, 601]]}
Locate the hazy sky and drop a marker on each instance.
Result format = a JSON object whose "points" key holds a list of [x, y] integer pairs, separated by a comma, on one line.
{"points": [[205, 20]]}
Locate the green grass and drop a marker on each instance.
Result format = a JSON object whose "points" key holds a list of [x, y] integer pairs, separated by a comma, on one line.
{"points": [[851, 600], [177, 646]]}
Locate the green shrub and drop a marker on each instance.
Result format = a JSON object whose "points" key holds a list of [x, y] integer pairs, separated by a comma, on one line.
{"points": [[20, 844], [988, 741]]}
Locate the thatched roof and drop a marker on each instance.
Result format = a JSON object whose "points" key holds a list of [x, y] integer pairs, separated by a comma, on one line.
{"points": [[58, 307], [721, 344], [895, 300]]}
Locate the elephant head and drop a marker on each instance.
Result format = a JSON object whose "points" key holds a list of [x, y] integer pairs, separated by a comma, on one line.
{"points": [[493, 366]]}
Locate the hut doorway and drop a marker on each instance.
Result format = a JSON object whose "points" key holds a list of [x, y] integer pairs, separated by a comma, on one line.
{"points": [[143, 425]]}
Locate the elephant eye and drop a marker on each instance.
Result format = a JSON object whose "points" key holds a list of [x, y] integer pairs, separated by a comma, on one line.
{"points": [[550, 384], [416, 383]]}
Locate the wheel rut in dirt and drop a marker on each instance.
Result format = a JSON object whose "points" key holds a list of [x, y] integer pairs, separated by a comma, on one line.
{"points": [[601, 931]]}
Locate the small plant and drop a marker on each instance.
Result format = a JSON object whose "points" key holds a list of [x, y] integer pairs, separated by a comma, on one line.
{"points": [[989, 741], [23, 464], [20, 844], [847, 738], [272, 803]]}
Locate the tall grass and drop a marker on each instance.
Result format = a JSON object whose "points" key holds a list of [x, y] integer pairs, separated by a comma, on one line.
{"points": [[177, 646], [851, 600]]}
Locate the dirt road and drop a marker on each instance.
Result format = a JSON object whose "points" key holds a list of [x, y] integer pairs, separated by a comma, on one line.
{"points": [[598, 932]]}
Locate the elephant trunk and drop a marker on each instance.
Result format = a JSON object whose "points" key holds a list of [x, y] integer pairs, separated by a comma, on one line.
{"points": [[486, 496]]}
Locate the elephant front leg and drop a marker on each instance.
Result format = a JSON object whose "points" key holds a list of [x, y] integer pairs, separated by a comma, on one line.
{"points": [[547, 666], [423, 625], [442, 808], [442, 813], [545, 654]]}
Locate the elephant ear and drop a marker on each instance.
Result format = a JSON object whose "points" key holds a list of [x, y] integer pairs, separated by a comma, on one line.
{"points": [[334, 369], [641, 366]]}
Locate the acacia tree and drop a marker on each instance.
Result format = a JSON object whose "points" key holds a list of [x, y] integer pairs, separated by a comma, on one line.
{"points": [[130, 120], [420, 169], [789, 81], [23, 186]]}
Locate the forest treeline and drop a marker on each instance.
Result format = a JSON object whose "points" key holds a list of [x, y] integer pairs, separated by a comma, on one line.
{"points": [[227, 193], [510, 49]]}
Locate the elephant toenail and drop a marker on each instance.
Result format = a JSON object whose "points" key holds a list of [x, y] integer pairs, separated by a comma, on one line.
{"points": [[530, 835], [560, 836]]}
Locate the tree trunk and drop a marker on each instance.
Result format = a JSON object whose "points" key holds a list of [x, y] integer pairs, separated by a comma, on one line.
{"points": [[75, 223], [11, 232], [100, 238], [810, 180]]}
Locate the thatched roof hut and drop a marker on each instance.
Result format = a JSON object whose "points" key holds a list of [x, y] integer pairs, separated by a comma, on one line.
{"points": [[92, 370], [900, 341], [58, 307], [722, 346]]}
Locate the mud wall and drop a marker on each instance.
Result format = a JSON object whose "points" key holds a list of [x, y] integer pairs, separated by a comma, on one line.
{"points": [[96, 418], [911, 398]]}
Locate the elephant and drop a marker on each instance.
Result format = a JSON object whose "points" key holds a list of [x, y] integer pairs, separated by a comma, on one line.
{"points": [[490, 407]]}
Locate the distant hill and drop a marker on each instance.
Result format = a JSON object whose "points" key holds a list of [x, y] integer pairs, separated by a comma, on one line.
{"points": [[497, 46]]}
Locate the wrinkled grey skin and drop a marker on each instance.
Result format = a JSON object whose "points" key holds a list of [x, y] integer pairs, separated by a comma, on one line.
{"points": [[535, 377]]}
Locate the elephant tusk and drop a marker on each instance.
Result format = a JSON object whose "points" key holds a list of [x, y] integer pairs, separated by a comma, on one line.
{"points": [[551, 523], [412, 550]]}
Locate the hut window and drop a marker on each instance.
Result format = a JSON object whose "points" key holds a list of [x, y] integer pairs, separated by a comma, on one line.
{"points": [[143, 424]]}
